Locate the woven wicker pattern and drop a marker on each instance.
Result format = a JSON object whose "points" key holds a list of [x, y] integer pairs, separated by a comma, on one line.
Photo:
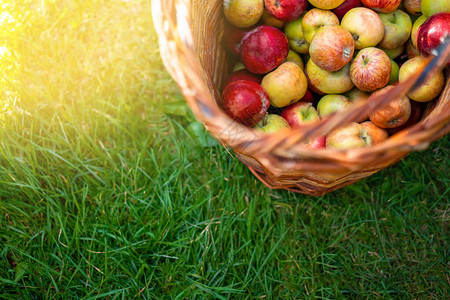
{"points": [[190, 37]]}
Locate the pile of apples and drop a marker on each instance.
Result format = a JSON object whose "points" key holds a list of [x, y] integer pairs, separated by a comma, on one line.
{"points": [[304, 60]]}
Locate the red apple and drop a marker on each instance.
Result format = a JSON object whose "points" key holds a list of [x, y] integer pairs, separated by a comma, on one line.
{"points": [[233, 36], [286, 10], [383, 6], [319, 142], [243, 75], [371, 69], [309, 97], [352, 135], [300, 113], [393, 114], [263, 49], [342, 9], [332, 47], [433, 32], [245, 101], [416, 114], [377, 134]]}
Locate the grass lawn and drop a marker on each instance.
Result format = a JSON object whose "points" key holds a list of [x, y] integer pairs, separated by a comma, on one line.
{"points": [[104, 192]]}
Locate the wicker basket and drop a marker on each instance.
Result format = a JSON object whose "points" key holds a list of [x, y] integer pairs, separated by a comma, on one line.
{"points": [[190, 37]]}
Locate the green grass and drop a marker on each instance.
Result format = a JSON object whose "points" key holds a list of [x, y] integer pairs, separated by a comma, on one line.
{"points": [[103, 195]]}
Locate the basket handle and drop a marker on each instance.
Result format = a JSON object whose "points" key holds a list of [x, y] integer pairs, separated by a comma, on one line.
{"points": [[434, 64]]}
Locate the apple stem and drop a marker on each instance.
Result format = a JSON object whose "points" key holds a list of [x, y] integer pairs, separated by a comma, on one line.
{"points": [[364, 58], [355, 36]]}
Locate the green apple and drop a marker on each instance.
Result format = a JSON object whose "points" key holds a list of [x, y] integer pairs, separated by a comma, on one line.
{"points": [[326, 82], [430, 89], [285, 85], [330, 104], [394, 53], [394, 72], [295, 58], [415, 28], [397, 29], [294, 33], [365, 26], [243, 13], [238, 66], [352, 135], [272, 123], [431, 7], [316, 18]]}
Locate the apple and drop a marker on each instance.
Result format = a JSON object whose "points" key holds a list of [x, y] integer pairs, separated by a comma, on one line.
{"points": [[370, 70], [294, 33], [245, 101], [433, 32], [431, 7], [415, 29], [429, 89], [365, 26], [285, 85], [411, 51], [412, 7], [414, 118], [393, 114], [330, 104], [377, 134], [263, 49], [331, 47], [233, 36], [243, 75], [352, 135], [272, 123], [309, 97], [286, 10], [319, 142], [268, 19], [394, 53], [383, 6], [342, 9], [325, 82], [238, 66], [397, 29], [356, 95], [300, 113], [326, 4], [316, 18], [295, 58], [394, 72], [243, 13]]}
